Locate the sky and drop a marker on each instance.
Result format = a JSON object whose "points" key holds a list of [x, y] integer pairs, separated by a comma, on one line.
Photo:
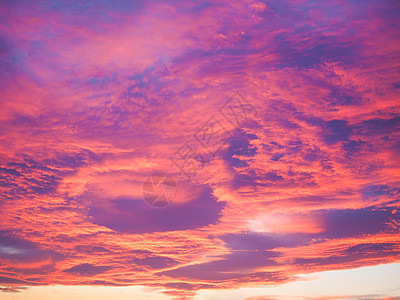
{"points": [[199, 150]]}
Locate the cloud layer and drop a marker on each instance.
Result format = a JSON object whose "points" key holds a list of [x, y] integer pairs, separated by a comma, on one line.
{"points": [[300, 175]]}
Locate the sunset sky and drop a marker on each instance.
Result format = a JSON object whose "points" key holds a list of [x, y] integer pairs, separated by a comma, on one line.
{"points": [[274, 125]]}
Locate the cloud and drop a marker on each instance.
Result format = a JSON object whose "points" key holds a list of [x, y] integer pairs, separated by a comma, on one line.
{"points": [[128, 215], [96, 98], [12, 289], [87, 270]]}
